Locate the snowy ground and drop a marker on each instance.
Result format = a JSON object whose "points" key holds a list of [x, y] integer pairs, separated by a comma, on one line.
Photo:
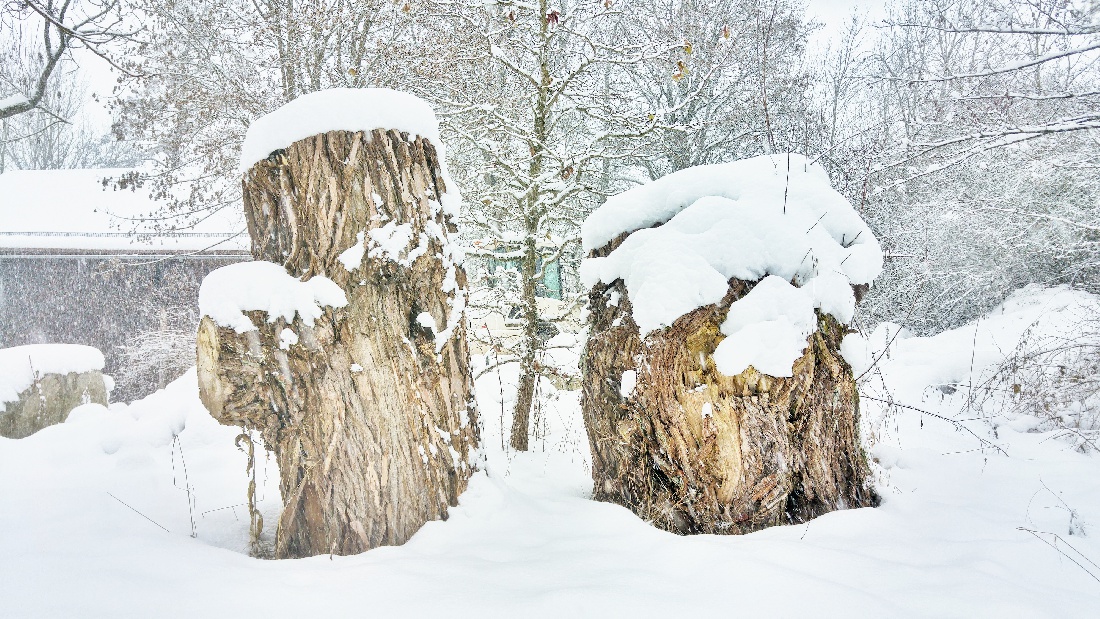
{"points": [[526, 541]]}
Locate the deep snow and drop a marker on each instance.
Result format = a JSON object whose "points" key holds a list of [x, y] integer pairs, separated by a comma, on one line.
{"points": [[525, 539]]}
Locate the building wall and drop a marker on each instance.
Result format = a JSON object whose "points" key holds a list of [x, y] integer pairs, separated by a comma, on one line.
{"points": [[100, 300]]}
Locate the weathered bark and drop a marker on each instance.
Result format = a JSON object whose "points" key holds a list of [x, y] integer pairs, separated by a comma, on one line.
{"points": [[49, 401], [768, 450], [370, 416]]}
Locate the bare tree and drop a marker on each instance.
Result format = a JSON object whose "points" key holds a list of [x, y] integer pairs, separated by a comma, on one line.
{"points": [[210, 68], [965, 134], [986, 75], [733, 84], [65, 25], [539, 106]]}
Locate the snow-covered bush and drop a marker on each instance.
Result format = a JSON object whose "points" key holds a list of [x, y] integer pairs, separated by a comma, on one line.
{"points": [[155, 357], [1051, 379]]}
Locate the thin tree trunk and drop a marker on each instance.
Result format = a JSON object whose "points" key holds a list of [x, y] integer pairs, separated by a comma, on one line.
{"points": [[695, 451], [371, 414], [525, 394]]}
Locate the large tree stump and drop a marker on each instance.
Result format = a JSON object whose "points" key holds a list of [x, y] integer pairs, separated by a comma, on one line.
{"points": [[370, 410], [686, 426], [695, 451]]}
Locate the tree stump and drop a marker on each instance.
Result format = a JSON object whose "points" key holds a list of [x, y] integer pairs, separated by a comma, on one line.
{"points": [[369, 410], [673, 438], [49, 401], [694, 451]]}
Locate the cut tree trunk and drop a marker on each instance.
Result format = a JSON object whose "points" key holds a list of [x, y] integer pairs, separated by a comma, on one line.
{"points": [[370, 413], [694, 451], [49, 401]]}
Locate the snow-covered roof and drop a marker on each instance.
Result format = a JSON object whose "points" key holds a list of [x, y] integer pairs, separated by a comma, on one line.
{"points": [[772, 218], [72, 209]]}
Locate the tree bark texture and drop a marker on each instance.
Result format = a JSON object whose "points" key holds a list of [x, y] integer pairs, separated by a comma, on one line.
{"points": [[695, 451], [372, 420]]}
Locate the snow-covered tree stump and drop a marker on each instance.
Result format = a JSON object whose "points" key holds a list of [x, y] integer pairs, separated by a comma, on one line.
{"points": [[715, 395], [41, 384], [354, 368]]}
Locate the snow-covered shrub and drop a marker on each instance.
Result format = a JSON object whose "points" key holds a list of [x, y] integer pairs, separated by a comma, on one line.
{"points": [[155, 357], [1051, 380]]}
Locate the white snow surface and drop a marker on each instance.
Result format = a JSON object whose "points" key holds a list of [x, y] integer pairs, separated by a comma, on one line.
{"points": [[352, 257], [226, 293], [627, 383], [527, 540], [767, 328], [19, 364], [772, 215], [13, 100], [71, 209]]}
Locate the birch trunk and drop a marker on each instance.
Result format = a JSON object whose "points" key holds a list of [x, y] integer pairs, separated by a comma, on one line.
{"points": [[370, 414], [695, 451]]}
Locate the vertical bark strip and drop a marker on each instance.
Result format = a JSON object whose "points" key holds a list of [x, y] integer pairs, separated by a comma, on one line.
{"points": [[695, 451], [372, 419]]}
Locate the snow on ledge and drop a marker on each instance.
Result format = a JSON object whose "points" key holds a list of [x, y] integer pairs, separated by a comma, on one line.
{"points": [[347, 109], [228, 292], [18, 365], [774, 215]]}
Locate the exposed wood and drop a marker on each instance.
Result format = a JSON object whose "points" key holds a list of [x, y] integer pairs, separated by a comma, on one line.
{"points": [[695, 451], [371, 419]]}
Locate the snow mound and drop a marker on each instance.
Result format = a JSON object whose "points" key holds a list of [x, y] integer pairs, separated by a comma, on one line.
{"points": [[228, 292], [19, 365], [964, 355], [772, 215], [347, 109], [766, 329]]}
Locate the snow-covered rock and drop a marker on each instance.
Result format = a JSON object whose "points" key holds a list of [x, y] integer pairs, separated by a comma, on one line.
{"points": [[20, 364], [40, 384]]}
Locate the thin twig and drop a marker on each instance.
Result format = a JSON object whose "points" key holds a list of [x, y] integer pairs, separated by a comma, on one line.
{"points": [[1039, 537], [137, 512], [957, 424]]}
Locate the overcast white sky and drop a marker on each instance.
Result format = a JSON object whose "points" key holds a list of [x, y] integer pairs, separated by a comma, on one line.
{"points": [[833, 13]]}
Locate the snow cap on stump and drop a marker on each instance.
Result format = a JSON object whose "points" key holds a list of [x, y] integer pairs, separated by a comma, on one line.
{"points": [[774, 219], [346, 109]]}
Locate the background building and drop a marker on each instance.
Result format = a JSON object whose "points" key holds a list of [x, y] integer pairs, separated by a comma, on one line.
{"points": [[82, 262]]}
